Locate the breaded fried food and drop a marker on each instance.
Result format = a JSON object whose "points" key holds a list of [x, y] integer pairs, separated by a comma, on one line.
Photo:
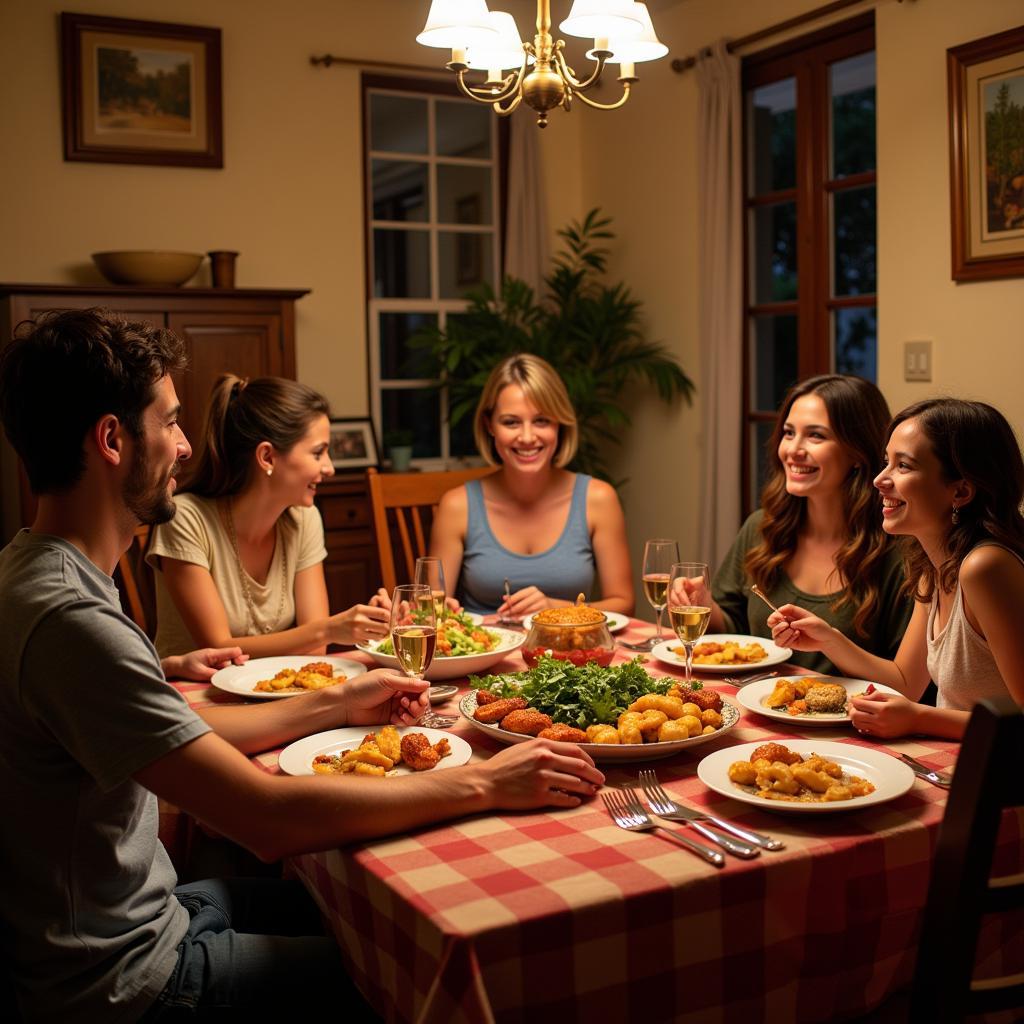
{"points": [[602, 734], [485, 697], [773, 752], [563, 733], [389, 743], [369, 754], [706, 699], [417, 752], [319, 668], [650, 722], [497, 710], [629, 727], [671, 707], [826, 697], [526, 721], [313, 681]]}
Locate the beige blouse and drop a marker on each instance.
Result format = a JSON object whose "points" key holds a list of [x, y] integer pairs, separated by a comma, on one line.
{"points": [[959, 659], [197, 535]]}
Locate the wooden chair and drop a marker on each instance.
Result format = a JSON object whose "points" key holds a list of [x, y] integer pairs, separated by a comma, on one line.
{"points": [[135, 582], [987, 779], [408, 496]]}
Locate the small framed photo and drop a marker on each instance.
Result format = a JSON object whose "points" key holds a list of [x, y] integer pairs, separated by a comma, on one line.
{"points": [[353, 444], [986, 149], [141, 92]]}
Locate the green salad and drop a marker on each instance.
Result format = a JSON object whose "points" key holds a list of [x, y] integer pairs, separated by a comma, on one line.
{"points": [[578, 695], [457, 635]]}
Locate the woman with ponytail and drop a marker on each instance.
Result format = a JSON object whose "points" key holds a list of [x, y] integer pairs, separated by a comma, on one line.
{"points": [[242, 559], [817, 539]]}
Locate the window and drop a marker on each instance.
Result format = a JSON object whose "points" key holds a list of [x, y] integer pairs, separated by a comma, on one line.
{"points": [[433, 215], [811, 263]]}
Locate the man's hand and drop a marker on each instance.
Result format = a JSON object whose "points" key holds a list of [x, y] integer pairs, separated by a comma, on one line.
{"points": [[383, 696], [541, 773], [200, 665]]}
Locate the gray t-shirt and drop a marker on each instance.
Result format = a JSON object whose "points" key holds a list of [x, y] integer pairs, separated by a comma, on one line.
{"points": [[90, 922]]}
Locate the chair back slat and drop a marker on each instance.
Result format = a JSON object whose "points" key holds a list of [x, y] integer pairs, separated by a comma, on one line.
{"points": [[400, 502], [135, 582]]}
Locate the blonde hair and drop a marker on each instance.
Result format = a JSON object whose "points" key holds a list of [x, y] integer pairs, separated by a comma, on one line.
{"points": [[543, 388]]}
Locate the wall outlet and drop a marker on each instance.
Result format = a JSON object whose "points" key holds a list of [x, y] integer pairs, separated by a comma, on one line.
{"points": [[917, 360]]}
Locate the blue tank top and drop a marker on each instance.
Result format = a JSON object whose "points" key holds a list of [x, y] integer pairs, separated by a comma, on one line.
{"points": [[563, 571]]}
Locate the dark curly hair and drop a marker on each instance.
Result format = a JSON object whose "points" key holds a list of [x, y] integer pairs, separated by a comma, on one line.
{"points": [[65, 370]]}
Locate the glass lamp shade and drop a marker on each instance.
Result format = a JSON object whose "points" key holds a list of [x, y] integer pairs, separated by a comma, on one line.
{"points": [[646, 46], [602, 19], [503, 50], [457, 24]]}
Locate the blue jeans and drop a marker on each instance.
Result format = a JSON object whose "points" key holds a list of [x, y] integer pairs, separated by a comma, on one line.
{"points": [[253, 944]]}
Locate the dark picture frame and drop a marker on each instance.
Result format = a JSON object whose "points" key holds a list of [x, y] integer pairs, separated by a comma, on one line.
{"points": [[986, 152], [353, 444], [141, 92]]}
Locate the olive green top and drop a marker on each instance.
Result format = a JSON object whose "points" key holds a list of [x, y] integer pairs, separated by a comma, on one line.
{"points": [[745, 613]]}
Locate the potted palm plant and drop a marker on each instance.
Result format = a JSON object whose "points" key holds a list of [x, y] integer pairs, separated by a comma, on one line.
{"points": [[591, 333]]}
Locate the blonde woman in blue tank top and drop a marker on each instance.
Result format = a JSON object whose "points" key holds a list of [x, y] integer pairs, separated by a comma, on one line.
{"points": [[552, 533], [952, 485]]}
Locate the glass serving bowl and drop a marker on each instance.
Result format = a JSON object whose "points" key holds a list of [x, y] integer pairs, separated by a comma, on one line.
{"points": [[577, 634]]}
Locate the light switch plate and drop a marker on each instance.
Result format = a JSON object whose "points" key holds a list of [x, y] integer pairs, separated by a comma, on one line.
{"points": [[917, 360]]}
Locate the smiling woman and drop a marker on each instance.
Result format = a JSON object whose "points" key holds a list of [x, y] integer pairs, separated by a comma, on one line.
{"points": [[241, 561]]}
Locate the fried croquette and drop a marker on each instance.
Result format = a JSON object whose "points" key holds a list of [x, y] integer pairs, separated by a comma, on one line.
{"points": [[526, 721], [563, 733], [629, 727], [826, 697], [602, 734], [671, 707], [706, 699], [485, 697], [776, 752], [319, 668], [419, 755], [497, 710]]}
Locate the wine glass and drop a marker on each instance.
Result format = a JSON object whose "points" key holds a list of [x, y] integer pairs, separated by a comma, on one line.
{"points": [[689, 605], [414, 636], [659, 556], [431, 572]]}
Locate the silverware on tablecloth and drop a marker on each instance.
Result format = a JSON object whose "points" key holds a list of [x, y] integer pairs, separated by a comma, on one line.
{"points": [[665, 807], [432, 720], [627, 812], [743, 680], [922, 771], [505, 619], [644, 645]]}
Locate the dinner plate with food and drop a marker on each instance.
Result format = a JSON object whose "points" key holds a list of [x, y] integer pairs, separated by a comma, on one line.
{"points": [[286, 676], [806, 700], [462, 647], [805, 776], [615, 713], [725, 653], [615, 621], [377, 751]]}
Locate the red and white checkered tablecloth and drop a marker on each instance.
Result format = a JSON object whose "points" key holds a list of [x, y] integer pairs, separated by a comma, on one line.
{"points": [[563, 916]]}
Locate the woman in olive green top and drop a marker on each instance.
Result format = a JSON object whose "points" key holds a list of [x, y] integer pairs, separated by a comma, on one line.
{"points": [[817, 539]]}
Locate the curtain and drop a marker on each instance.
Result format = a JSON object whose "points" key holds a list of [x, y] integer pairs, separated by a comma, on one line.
{"points": [[526, 222], [720, 318]]}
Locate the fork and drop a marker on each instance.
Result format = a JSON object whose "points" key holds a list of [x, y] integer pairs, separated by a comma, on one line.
{"points": [[943, 779], [665, 807], [432, 720], [627, 812], [645, 645], [743, 680]]}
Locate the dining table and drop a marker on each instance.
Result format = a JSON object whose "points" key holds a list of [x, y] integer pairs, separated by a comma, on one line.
{"points": [[560, 915]]}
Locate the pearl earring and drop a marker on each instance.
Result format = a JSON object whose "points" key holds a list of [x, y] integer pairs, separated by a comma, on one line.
{"points": [[270, 471]]}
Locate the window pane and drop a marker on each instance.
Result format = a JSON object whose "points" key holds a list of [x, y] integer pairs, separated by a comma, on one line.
{"points": [[463, 129], [398, 124], [463, 194], [415, 409], [464, 261], [852, 85], [397, 360], [773, 270], [760, 457], [773, 362], [399, 190], [771, 139], [856, 334], [401, 264], [853, 214]]}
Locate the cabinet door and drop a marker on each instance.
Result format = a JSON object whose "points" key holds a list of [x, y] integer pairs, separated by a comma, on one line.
{"points": [[246, 344]]}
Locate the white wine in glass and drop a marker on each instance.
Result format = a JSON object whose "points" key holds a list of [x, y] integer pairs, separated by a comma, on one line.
{"points": [[414, 632], [659, 556], [689, 606], [431, 572]]}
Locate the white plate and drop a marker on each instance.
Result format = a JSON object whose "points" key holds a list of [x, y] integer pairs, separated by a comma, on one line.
{"points": [[439, 694], [461, 665], [891, 777], [776, 655], [752, 697], [241, 679], [609, 751], [616, 622], [297, 757], [475, 617]]}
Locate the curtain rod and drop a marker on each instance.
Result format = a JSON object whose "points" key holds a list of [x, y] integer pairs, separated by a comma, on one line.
{"points": [[682, 64], [329, 58]]}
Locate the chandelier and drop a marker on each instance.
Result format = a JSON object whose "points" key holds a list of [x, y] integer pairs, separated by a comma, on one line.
{"points": [[537, 72]]}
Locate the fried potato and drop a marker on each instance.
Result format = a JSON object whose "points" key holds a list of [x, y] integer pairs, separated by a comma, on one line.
{"points": [[693, 724], [389, 743], [602, 734], [671, 707], [673, 729], [629, 727], [650, 722], [369, 754]]}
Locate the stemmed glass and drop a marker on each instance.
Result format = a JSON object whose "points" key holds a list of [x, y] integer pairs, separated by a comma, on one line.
{"points": [[689, 585], [659, 556], [430, 571], [414, 637]]}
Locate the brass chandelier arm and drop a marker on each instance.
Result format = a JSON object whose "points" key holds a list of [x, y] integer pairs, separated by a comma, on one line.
{"points": [[510, 85], [513, 103], [566, 72], [605, 106]]}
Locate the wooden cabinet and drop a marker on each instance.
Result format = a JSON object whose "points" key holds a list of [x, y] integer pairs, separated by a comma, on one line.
{"points": [[352, 567], [248, 331]]}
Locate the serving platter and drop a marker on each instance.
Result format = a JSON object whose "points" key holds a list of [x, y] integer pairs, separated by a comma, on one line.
{"points": [[774, 654], [753, 695], [242, 679], [459, 665]]}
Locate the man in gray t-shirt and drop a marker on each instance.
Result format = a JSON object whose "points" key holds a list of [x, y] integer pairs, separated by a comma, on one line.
{"points": [[93, 927]]}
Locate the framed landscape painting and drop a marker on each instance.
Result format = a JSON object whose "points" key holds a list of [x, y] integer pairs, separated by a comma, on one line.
{"points": [[986, 143], [141, 92]]}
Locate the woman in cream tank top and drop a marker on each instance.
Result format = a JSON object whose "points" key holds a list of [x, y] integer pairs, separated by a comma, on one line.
{"points": [[952, 485]]}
